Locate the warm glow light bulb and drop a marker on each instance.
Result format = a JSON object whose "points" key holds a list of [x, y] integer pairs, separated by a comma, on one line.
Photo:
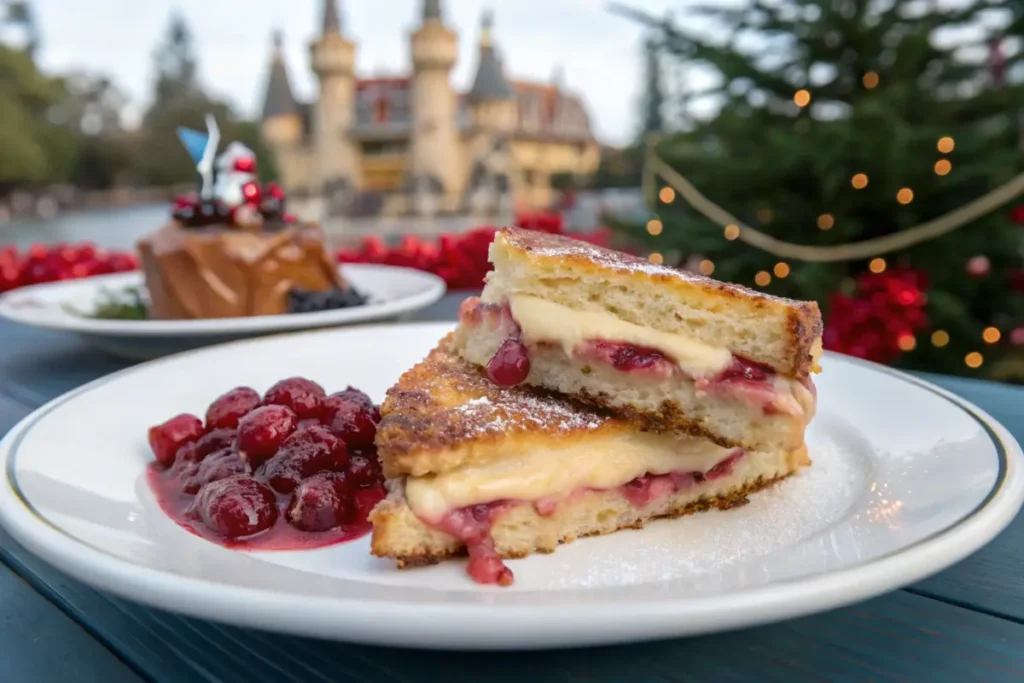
{"points": [[654, 226], [706, 267], [656, 258], [802, 98], [763, 278], [943, 167], [781, 269], [945, 144], [905, 195], [859, 181], [667, 195], [732, 232], [826, 221], [877, 265]]}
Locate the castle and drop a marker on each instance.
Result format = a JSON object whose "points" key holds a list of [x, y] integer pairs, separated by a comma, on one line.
{"points": [[412, 145]]}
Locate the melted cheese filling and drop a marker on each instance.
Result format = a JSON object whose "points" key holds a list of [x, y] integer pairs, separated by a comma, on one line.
{"points": [[543, 321], [559, 471]]}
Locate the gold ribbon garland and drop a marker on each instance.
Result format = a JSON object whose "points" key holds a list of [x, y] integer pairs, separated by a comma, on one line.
{"points": [[655, 166]]}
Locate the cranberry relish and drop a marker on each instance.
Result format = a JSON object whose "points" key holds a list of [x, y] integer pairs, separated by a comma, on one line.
{"points": [[472, 525], [295, 468], [510, 365]]}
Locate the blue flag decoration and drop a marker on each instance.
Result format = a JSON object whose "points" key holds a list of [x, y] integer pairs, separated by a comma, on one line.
{"points": [[195, 143]]}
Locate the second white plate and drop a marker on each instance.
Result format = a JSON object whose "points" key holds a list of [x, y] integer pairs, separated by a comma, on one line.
{"points": [[392, 291]]}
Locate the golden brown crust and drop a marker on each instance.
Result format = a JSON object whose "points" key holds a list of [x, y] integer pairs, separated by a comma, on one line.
{"points": [[388, 516], [802, 318], [444, 413]]}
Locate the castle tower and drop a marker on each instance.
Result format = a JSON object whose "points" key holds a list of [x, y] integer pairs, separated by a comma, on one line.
{"points": [[333, 59], [434, 171], [281, 125], [494, 111], [492, 99]]}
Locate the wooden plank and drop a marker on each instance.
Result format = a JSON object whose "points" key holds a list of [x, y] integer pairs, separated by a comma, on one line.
{"points": [[898, 637], [991, 580]]}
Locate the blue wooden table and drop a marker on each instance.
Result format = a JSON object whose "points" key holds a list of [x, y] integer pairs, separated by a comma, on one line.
{"points": [[965, 624]]}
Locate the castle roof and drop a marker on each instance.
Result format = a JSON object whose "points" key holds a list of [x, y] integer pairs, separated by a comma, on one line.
{"points": [[279, 99], [489, 83], [431, 10], [331, 18]]}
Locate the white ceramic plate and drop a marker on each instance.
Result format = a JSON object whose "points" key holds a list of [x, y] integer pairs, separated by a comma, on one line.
{"points": [[392, 291], [907, 479]]}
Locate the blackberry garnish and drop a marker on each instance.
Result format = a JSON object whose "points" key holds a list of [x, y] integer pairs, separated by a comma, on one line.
{"points": [[302, 301]]}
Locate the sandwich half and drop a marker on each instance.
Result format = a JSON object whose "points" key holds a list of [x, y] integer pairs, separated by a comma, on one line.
{"points": [[495, 472], [673, 350]]}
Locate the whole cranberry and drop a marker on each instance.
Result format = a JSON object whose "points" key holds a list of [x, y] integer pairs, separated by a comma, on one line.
{"points": [[236, 507], [231, 407], [165, 439], [352, 416], [214, 441], [510, 364], [302, 455], [216, 466], [363, 472], [261, 432], [365, 500], [321, 502], [302, 395]]}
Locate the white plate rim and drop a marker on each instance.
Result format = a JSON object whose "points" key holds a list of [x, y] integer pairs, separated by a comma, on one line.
{"points": [[433, 288], [470, 626]]}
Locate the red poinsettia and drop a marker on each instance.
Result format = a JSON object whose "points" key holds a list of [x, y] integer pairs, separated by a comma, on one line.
{"points": [[880, 319]]}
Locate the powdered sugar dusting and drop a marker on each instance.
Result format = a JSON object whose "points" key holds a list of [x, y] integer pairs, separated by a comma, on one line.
{"points": [[720, 548], [521, 410]]}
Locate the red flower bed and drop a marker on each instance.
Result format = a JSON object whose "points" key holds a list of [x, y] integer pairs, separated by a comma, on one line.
{"points": [[460, 260], [49, 263]]}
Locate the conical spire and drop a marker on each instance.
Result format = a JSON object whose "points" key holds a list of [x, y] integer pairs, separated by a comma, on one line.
{"points": [[490, 83], [432, 10], [332, 18], [279, 100]]}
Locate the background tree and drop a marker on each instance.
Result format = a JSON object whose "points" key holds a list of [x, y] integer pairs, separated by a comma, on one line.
{"points": [[840, 122], [179, 100], [37, 145], [653, 102]]}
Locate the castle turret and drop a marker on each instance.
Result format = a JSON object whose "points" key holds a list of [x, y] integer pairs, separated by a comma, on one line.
{"points": [[281, 124], [333, 59], [492, 98], [494, 109], [433, 167]]}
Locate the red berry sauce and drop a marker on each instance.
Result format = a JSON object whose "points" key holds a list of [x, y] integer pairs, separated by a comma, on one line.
{"points": [[271, 473], [628, 357], [472, 525]]}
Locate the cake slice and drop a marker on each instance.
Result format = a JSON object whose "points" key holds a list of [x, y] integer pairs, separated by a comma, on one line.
{"points": [[493, 472], [674, 350]]}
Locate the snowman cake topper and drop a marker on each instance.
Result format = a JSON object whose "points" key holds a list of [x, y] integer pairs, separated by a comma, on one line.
{"points": [[230, 192]]}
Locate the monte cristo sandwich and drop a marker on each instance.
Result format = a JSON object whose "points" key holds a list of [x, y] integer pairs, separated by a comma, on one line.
{"points": [[501, 472], [667, 349]]}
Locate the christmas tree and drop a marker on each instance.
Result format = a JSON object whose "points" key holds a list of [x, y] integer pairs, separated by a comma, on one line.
{"points": [[838, 122]]}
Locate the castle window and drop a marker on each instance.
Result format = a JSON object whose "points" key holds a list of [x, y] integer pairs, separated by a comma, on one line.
{"points": [[380, 110]]}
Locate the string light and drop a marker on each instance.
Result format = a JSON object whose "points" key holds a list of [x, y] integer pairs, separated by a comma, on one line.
{"points": [[991, 335], [656, 258], [906, 342], [764, 215], [946, 144], [974, 359], [802, 98], [732, 231], [943, 167], [781, 270], [859, 181], [870, 80], [706, 267], [826, 221], [762, 278], [654, 226], [940, 338], [905, 195], [877, 265], [667, 195]]}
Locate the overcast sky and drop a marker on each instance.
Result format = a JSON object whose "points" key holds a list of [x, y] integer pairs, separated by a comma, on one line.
{"points": [[599, 52]]}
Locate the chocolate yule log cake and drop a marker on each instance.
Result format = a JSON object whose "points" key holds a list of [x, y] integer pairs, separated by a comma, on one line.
{"points": [[232, 249]]}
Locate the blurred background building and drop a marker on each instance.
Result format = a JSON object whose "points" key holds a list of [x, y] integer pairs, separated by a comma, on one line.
{"points": [[412, 144]]}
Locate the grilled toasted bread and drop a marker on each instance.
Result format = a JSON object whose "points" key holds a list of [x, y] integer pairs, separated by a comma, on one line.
{"points": [[781, 333]]}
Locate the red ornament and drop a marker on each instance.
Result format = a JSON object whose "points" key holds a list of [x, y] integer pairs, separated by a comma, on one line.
{"points": [[251, 191], [245, 165], [1017, 215], [275, 190], [978, 266], [1017, 336]]}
